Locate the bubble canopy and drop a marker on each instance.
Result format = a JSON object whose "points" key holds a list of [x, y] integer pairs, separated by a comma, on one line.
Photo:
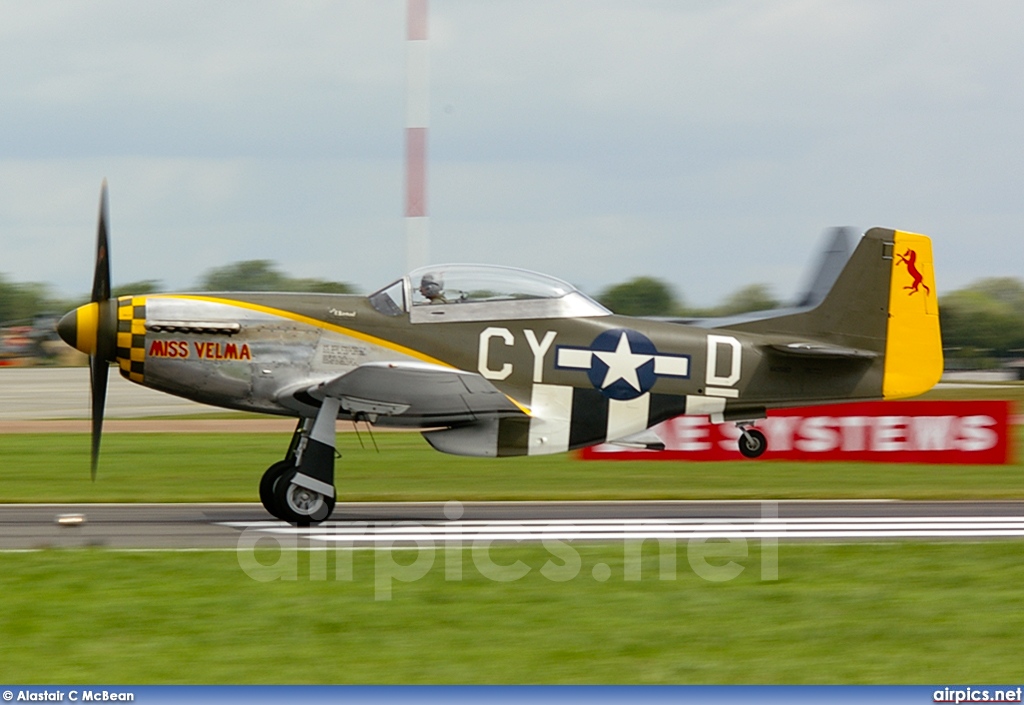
{"points": [[463, 292]]}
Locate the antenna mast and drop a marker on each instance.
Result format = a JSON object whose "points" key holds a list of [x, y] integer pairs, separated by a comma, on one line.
{"points": [[417, 118]]}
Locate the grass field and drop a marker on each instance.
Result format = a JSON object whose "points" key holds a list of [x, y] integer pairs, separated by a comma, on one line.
{"points": [[894, 613], [227, 467]]}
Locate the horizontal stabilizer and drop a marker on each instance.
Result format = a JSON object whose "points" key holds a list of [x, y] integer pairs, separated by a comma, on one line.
{"points": [[831, 260], [822, 351]]}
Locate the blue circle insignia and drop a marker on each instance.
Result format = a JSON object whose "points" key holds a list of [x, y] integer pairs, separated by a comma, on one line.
{"points": [[622, 364]]}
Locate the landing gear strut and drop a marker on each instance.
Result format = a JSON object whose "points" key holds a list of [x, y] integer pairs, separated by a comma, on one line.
{"points": [[752, 442], [300, 488]]}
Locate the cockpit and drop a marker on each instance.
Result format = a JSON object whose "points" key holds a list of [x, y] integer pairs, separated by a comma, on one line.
{"points": [[474, 292]]}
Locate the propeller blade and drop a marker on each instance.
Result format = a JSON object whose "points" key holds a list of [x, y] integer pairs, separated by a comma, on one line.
{"points": [[101, 277], [98, 371], [106, 328]]}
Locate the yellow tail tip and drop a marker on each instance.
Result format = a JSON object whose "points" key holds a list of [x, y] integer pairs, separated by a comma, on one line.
{"points": [[913, 349]]}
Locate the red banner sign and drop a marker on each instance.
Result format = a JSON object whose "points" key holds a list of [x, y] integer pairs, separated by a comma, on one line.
{"points": [[966, 432]]}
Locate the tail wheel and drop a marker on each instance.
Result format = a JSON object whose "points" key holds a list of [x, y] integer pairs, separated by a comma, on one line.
{"points": [[752, 443]]}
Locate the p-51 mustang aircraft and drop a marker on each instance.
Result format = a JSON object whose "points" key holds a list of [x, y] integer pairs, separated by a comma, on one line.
{"points": [[493, 361]]}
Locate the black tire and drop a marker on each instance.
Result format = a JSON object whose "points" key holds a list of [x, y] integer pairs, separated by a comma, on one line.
{"points": [[752, 443], [269, 481], [298, 505]]}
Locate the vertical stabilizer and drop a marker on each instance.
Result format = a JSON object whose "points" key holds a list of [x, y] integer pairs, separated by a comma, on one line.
{"points": [[883, 303]]}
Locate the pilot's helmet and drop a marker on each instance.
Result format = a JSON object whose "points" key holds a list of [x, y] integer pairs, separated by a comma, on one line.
{"points": [[431, 285]]}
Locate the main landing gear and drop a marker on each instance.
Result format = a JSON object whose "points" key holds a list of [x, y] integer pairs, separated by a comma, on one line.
{"points": [[752, 442], [300, 488]]}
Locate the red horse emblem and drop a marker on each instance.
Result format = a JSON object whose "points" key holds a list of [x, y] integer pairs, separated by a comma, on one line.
{"points": [[909, 258]]}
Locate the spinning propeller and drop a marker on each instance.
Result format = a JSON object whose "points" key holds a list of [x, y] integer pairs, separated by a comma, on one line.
{"points": [[92, 328]]}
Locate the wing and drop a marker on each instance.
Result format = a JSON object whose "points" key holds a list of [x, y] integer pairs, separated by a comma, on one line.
{"points": [[416, 394]]}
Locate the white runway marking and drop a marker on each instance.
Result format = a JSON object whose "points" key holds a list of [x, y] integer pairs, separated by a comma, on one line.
{"points": [[387, 533]]}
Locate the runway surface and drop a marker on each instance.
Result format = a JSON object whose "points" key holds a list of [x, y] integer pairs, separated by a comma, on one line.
{"points": [[383, 525], [34, 393]]}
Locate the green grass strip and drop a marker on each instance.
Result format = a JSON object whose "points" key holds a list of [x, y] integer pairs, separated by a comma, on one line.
{"points": [[889, 613], [227, 467]]}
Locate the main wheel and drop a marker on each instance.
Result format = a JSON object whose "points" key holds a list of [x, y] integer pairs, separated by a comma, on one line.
{"points": [[753, 443], [269, 481], [300, 505]]}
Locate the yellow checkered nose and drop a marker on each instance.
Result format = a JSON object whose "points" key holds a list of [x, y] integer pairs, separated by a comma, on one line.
{"points": [[78, 328], [131, 337]]}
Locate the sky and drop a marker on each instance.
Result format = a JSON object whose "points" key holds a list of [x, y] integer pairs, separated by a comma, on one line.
{"points": [[708, 144]]}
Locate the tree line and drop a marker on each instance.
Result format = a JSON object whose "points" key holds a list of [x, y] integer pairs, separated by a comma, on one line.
{"points": [[21, 303], [982, 323]]}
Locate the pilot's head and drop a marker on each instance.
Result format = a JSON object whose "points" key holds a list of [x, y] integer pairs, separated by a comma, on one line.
{"points": [[431, 286]]}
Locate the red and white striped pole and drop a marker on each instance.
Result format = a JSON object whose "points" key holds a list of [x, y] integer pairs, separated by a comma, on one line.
{"points": [[417, 118]]}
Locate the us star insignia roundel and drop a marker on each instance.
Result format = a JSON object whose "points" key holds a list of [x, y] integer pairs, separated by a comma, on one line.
{"points": [[623, 364]]}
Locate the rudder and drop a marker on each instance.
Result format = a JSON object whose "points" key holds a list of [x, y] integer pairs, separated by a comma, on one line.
{"points": [[913, 343]]}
